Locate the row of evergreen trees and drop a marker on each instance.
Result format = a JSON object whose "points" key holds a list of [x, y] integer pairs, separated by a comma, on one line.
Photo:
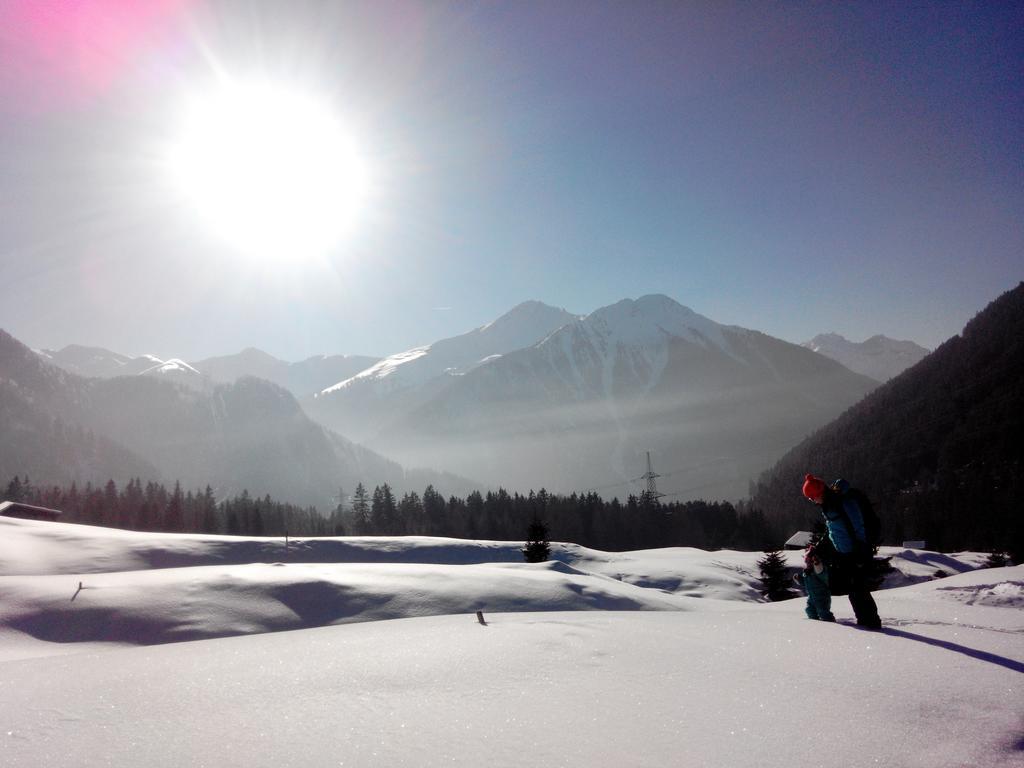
{"points": [[151, 507], [585, 519]]}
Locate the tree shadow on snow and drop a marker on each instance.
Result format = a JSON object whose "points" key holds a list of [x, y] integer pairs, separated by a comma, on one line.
{"points": [[974, 653]]}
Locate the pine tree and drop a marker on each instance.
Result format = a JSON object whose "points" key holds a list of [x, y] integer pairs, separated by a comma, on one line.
{"points": [[208, 511], [474, 514], [361, 511], [336, 522], [997, 559], [15, 490], [410, 514], [383, 511], [174, 517], [774, 577], [111, 505], [433, 512], [537, 548]]}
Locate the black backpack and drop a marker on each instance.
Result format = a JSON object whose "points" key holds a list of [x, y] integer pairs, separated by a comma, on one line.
{"points": [[872, 523]]}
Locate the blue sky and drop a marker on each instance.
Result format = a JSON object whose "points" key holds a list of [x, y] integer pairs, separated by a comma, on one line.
{"points": [[790, 168]]}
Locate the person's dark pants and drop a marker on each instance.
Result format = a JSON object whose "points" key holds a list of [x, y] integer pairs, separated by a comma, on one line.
{"points": [[854, 577]]}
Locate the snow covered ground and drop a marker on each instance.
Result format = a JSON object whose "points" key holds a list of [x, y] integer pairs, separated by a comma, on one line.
{"points": [[654, 658]]}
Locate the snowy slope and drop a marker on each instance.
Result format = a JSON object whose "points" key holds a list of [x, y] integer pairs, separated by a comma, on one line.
{"points": [[367, 403], [174, 368], [300, 378], [879, 357], [87, 361], [718, 690], [97, 362], [155, 588], [714, 683], [625, 346], [626, 349], [522, 326]]}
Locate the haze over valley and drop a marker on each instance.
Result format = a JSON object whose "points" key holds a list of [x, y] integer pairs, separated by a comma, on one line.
{"points": [[537, 398]]}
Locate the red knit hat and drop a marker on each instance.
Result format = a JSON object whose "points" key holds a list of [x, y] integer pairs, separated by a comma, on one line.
{"points": [[814, 488]]}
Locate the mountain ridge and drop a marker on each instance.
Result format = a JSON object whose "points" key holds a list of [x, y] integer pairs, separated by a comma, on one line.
{"points": [[878, 357], [369, 402], [301, 378], [584, 404], [250, 434]]}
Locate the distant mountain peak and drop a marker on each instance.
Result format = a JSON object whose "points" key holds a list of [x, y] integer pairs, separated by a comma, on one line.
{"points": [[532, 305], [254, 354], [531, 311], [383, 368], [87, 361], [526, 324], [823, 338], [83, 350], [879, 357], [651, 319]]}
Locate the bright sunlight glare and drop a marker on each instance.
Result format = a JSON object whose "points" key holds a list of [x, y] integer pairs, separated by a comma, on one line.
{"points": [[270, 168]]}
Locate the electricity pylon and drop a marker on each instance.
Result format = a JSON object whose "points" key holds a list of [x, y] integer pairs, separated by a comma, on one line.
{"points": [[651, 495]]}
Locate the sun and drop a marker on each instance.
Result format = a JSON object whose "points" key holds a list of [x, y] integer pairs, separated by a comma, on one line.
{"points": [[270, 168]]}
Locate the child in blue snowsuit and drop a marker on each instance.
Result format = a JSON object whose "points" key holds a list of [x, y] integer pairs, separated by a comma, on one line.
{"points": [[815, 582]]}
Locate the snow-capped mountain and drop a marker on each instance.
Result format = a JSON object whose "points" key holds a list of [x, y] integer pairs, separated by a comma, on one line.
{"points": [[522, 326], [175, 369], [365, 403], [100, 363], [93, 362], [301, 378], [626, 345], [715, 404], [250, 434], [174, 365], [39, 438], [879, 357]]}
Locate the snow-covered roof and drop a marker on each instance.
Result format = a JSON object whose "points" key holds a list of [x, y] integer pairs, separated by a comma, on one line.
{"points": [[798, 540], [28, 511]]}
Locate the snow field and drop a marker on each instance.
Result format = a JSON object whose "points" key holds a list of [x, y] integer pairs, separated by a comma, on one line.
{"points": [[693, 672]]}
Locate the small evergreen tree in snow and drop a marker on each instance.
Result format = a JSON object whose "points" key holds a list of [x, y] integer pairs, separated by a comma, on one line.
{"points": [[997, 559], [878, 569], [774, 578], [537, 548]]}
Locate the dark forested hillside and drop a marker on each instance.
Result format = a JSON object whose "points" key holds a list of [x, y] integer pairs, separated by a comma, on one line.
{"points": [[38, 435], [940, 448], [58, 427]]}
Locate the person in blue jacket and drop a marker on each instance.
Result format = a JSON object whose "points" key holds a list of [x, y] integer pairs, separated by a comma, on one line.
{"points": [[815, 581], [845, 525]]}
